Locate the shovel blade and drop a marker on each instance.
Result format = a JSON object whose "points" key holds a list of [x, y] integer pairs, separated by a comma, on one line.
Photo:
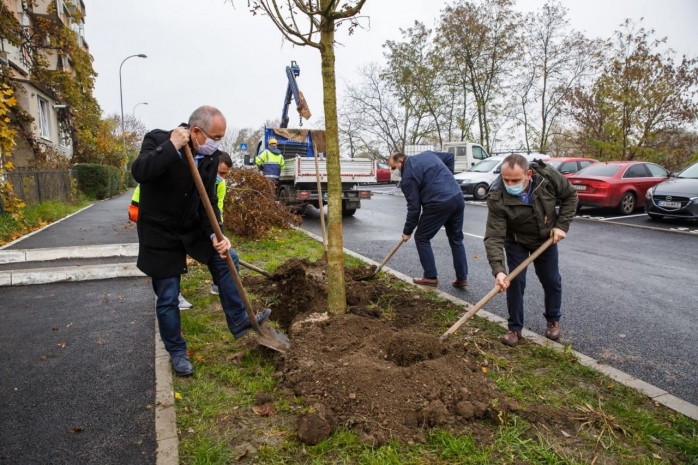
{"points": [[273, 339]]}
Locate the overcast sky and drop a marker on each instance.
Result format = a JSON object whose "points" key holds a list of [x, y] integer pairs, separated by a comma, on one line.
{"points": [[207, 52]]}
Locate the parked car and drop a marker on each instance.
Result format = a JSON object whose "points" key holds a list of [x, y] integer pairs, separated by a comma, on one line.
{"points": [[676, 197], [568, 166], [382, 172], [477, 180], [619, 184]]}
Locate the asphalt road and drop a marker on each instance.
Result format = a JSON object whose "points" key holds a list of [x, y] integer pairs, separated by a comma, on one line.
{"points": [[628, 294], [77, 374]]}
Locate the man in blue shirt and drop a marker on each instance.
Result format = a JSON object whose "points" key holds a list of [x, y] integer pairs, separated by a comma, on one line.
{"points": [[434, 199]]}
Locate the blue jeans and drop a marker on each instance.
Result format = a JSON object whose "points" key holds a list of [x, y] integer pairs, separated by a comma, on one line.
{"points": [[548, 272], [167, 307], [450, 216]]}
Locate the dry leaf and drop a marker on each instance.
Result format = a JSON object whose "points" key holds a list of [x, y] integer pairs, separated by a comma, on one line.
{"points": [[484, 369], [178, 396], [566, 434], [55, 328], [242, 456], [62, 345], [77, 429], [265, 410], [476, 256], [199, 358], [69, 325]]}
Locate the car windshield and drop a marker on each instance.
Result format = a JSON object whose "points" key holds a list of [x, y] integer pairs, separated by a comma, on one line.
{"points": [[383, 167], [599, 169], [554, 164], [484, 166], [690, 173]]}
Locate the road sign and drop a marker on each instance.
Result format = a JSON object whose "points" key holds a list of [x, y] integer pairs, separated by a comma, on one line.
{"points": [[243, 147]]}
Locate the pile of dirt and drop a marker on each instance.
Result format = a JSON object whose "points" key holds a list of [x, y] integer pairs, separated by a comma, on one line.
{"points": [[380, 369]]}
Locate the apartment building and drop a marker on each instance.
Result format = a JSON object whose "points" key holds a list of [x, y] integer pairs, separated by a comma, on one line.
{"points": [[37, 101]]}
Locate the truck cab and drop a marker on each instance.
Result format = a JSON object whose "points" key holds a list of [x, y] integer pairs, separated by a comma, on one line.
{"points": [[466, 154]]}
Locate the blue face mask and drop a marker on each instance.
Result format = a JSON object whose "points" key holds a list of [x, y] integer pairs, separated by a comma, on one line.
{"points": [[515, 190]]}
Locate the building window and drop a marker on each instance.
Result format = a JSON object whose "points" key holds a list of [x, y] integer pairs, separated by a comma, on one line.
{"points": [[44, 127]]}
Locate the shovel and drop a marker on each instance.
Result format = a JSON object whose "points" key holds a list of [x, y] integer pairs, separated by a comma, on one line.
{"points": [[268, 337], [250, 266], [495, 290], [385, 260]]}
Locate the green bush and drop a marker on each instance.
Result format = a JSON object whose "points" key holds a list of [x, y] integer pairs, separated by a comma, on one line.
{"points": [[98, 181]]}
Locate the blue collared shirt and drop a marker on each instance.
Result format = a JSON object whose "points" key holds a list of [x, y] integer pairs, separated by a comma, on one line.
{"points": [[526, 196]]}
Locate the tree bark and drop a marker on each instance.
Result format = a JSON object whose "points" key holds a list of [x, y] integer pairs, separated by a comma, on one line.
{"points": [[336, 293]]}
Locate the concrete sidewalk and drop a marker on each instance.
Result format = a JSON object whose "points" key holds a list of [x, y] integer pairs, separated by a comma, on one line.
{"points": [[77, 378]]}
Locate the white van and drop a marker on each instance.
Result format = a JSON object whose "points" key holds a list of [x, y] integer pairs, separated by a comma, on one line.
{"points": [[478, 179]]}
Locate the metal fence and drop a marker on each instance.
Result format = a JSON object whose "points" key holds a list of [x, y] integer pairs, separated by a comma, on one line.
{"points": [[36, 186]]}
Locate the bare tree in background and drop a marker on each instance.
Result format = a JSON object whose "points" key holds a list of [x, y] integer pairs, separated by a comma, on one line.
{"points": [[313, 23], [134, 130], [483, 40], [557, 58]]}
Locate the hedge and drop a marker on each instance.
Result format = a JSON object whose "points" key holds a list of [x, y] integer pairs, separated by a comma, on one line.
{"points": [[98, 181]]}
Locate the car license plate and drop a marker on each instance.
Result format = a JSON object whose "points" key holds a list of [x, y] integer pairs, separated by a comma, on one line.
{"points": [[664, 203], [580, 187]]}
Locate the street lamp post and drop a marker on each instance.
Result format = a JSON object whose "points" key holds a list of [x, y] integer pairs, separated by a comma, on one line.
{"points": [[121, 95], [136, 105]]}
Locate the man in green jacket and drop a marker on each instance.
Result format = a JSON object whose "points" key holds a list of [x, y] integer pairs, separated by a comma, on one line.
{"points": [[522, 216]]}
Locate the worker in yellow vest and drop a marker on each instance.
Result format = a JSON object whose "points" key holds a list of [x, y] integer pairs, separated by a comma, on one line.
{"points": [[271, 162]]}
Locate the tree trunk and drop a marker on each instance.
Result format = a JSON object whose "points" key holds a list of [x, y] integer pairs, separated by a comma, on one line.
{"points": [[336, 294]]}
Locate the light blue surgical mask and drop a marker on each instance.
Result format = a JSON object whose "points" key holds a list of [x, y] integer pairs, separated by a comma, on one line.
{"points": [[516, 189], [209, 147]]}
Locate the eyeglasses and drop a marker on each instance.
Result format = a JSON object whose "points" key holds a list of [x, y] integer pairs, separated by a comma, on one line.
{"points": [[210, 136]]}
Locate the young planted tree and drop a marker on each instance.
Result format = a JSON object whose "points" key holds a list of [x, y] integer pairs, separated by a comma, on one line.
{"points": [[313, 23]]}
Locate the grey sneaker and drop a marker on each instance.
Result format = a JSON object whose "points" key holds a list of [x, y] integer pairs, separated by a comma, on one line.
{"points": [[183, 303], [182, 366], [214, 289]]}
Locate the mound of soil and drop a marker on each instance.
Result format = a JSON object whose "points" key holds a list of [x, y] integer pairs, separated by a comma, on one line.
{"points": [[380, 369]]}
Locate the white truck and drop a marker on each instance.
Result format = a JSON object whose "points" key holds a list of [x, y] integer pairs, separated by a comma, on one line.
{"points": [[466, 155], [297, 185], [477, 180]]}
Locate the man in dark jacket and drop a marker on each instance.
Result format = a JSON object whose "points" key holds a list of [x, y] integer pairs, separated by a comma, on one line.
{"points": [[521, 217], [172, 223], [434, 199]]}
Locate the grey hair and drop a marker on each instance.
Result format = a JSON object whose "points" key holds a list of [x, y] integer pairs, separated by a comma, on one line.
{"points": [[516, 159], [203, 117]]}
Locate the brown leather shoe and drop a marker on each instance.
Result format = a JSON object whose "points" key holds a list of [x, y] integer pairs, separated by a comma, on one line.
{"points": [[552, 332], [426, 281], [460, 283], [511, 338]]}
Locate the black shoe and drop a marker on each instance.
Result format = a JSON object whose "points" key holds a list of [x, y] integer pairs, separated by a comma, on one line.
{"points": [[182, 366]]}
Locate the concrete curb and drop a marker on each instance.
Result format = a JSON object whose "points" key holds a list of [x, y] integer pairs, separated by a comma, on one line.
{"points": [[167, 452], [657, 394], [58, 253], [68, 274], [47, 226]]}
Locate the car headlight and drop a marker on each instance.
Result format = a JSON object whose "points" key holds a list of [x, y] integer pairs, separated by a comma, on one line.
{"points": [[650, 192], [465, 181]]}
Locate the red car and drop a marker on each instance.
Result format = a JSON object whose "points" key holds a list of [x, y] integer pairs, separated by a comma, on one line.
{"points": [[382, 172], [619, 184], [569, 165]]}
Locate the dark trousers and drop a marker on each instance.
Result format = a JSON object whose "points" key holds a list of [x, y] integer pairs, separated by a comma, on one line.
{"points": [[167, 307], [548, 272], [450, 216]]}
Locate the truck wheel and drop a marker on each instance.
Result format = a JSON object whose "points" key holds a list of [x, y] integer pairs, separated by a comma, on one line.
{"points": [[348, 212], [284, 196], [627, 204], [480, 192]]}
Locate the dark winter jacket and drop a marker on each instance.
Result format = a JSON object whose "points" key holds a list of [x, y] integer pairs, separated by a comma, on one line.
{"points": [[510, 219], [427, 181], [172, 222]]}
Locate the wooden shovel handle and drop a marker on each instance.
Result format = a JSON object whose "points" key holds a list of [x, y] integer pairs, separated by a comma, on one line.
{"points": [[219, 236], [257, 269], [390, 254], [495, 290]]}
